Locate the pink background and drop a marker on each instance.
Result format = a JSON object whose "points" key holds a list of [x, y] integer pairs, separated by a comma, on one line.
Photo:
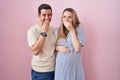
{"points": [[101, 20]]}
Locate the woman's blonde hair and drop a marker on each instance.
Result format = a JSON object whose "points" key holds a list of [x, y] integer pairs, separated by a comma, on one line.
{"points": [[62, 33]]}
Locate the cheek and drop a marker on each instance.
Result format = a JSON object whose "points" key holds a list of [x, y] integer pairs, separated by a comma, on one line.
{"points": [[70, 20], [50, 17], [42, 18], [63, 19]]}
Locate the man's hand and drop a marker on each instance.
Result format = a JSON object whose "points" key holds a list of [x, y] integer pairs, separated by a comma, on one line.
{"points": [[45, 26]]}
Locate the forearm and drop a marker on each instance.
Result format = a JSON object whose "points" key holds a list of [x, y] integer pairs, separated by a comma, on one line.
{"points": [[64, 49], [75, 41], [37, 47]]}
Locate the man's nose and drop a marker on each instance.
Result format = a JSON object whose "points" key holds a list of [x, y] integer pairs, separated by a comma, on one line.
{"points": [[46, 17]]}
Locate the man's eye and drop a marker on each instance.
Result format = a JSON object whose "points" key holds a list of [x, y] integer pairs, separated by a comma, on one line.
{"points": [[44, 14], [49, 14]]}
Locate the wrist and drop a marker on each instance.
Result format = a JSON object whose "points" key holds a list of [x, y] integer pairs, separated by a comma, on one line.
{"points": [[72, 31], [44, 31], [44, 34]]}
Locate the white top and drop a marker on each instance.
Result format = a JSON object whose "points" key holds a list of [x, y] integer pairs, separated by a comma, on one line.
{"points": [[45, 61]]}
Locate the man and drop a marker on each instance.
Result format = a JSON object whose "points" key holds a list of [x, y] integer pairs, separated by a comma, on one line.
{"points": [[41, 41]]}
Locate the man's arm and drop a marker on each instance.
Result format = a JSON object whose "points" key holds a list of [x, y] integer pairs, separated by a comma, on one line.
{"points": [[37, 47]]}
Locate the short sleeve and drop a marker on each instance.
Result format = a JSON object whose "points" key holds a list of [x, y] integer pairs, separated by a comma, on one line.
{"points": [[31, 37], [56, 32], [80, 34]]}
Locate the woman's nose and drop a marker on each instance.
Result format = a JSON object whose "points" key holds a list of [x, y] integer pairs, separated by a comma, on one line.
{"points": [[67, 19]]}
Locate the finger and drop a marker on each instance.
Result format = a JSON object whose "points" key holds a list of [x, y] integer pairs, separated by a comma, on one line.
{"points": [[65, 47], [47, 22], [68, 50]]}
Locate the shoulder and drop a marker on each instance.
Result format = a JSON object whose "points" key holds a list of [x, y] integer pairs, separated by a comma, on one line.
{"points": [[56, 31], [80, 27], [52, 28], [33, 28]]}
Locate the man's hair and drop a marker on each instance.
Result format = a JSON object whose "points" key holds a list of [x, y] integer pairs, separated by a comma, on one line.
{"points": [[44, 6]]}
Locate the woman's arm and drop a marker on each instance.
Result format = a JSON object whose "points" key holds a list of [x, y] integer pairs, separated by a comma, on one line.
{"points": [[75, 41], [62, 49]]}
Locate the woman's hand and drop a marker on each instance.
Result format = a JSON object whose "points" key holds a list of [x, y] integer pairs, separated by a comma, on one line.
{"points": [[68, 25], [62, 49]]}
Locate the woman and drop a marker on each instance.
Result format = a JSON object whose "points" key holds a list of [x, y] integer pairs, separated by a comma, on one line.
{"points": [[70, 39]]}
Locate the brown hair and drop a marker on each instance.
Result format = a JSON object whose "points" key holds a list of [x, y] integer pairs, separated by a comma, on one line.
{"points": [[62, 32]]}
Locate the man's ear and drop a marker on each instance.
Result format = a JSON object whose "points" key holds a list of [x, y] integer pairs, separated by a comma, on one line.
{"points": [[38, 15]]}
